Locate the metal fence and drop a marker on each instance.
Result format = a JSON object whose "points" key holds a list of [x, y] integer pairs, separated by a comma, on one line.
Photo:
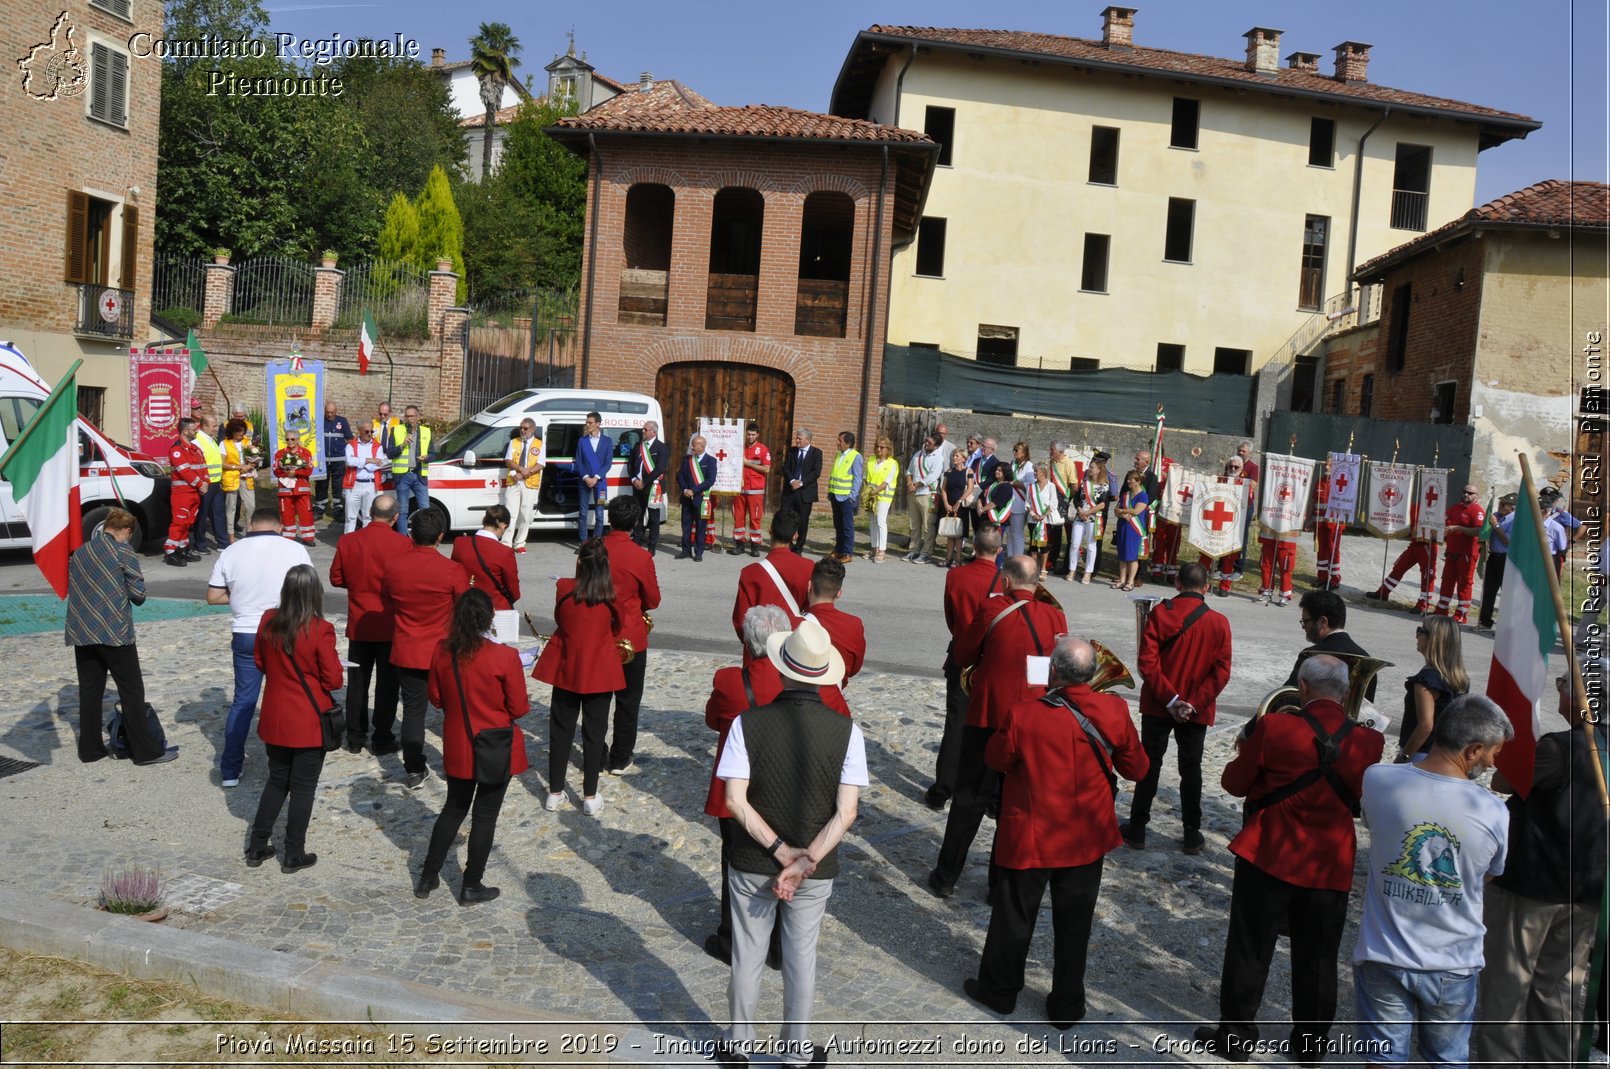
{"points": [[275, 290], [518, 341], [178, 286], [396, 294]]}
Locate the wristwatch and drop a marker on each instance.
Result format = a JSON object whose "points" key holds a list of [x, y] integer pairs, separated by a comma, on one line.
{"points": [[772, 849]]}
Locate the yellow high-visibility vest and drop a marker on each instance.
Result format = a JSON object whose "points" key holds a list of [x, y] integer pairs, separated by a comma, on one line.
{"points": [[214, 455], [399, 463], [843, 478]]}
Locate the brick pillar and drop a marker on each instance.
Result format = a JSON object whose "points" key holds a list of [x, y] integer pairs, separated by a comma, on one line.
{"points": [[219, 296], [326, 295], [450, 388], [443, 295]]}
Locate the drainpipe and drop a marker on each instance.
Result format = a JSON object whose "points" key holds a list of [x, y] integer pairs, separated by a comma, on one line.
{"points": [[1358, 187], [592, 264], [899, 81], [872, 295]]}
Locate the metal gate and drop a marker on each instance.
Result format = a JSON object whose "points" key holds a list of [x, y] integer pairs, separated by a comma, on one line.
{"points": [[499, 360], [1317, 434]]}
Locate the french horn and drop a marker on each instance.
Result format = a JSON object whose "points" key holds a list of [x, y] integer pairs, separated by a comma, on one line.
{"points": [[1361, 671], [1110, 672]]}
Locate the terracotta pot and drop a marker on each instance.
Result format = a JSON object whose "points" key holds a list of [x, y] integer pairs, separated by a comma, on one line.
{"points": [[158, 914]]}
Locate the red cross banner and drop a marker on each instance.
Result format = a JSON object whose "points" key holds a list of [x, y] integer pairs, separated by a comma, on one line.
{"points": [[1216, 520], [1177, 493], [1386, 512], [1432, 514], [1346, 470], [1287, 485], [724, 440]]}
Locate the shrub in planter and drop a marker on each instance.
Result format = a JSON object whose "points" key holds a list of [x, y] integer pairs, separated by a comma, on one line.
{"points": [[133, 890]]}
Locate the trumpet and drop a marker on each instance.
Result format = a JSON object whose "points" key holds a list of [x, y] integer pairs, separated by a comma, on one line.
{"points": [[648, 621], [1361, 671], [1110, 672]]}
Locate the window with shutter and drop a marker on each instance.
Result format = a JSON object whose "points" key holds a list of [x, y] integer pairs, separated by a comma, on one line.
{"points": [[77, 266], [131, 244], [119, 103], [120, 8], [108, 85]]}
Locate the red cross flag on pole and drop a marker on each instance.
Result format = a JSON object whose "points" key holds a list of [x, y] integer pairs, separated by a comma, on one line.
{"points": [[1287, 481], [1433, 512], [1342, 504], [1216, 521], [1386, 509]]}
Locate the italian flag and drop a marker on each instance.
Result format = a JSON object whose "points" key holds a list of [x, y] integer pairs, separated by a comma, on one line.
{"points": [[42, 467], [1526, 631], [367, 336]]}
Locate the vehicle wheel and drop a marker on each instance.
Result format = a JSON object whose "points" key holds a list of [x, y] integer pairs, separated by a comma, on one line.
{"points": [[97, 516], [441, 513]]}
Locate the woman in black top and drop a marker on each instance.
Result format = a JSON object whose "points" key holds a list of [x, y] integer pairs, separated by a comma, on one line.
{"points": [[1438, 682], [952, 488]]}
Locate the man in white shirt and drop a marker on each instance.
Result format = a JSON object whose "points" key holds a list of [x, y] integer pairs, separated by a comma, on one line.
{"points": [[922, 479], [1436, 838], [247, 577], [365, 460]]}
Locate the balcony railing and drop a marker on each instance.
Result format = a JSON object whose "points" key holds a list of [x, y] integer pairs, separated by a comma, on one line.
{"points": [[105, 311], [1409, 209]]}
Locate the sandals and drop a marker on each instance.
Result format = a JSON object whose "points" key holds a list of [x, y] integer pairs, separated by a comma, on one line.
{"points": [[1114, 585], [1127, 586]]}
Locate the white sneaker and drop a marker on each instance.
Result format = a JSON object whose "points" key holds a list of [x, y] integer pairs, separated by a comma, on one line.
{"points": [[231, 783], [592, 805], [554, 802]]}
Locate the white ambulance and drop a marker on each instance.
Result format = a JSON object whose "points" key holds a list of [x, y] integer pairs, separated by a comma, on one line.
{"points": [[469, 478], [109, 474]]}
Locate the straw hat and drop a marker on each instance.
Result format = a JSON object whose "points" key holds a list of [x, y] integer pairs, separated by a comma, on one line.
{"points": [[806, 655]]}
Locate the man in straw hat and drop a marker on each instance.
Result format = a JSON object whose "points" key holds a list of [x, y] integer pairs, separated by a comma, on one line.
{"points": [[794, 770]]}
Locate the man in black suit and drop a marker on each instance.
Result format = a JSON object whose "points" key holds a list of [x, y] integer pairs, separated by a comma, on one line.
{"points": [[646, 468], [802, 468], [694, 477], [1323, 617]]}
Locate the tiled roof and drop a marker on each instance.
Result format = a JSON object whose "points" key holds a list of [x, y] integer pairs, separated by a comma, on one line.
{"points": [[1195, 66], [1550, 203], [670, 107], [502, 117]]}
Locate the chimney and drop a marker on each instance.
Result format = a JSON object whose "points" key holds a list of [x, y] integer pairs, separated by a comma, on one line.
{"points": [[1118, 27], [646, 82], [438, 57], [1308, 62], [1263, 50], [1352, 62]]}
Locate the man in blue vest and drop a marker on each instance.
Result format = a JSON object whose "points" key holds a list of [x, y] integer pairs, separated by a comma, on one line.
{"points": [[408, 446], [695, 477], [844, 492], [594, 454]]}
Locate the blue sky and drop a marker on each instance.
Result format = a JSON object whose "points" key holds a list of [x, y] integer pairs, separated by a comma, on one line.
{"points": [[1546, 58]]}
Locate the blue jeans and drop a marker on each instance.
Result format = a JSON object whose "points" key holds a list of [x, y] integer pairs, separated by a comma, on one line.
{"points": [[248, 685], [1391, 1000], [589, 511], [413, 493]]}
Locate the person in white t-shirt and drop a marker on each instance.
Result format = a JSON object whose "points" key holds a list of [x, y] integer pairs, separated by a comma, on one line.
{"points": [[366, 459], [1436, 838], [247, 577]]}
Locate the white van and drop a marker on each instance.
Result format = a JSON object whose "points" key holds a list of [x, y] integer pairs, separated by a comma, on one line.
{"points": [[109, 474], [470, 476]]}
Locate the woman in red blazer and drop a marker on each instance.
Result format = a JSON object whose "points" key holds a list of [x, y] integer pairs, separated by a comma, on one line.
{"points": [[584, 666], [489, 563], [294, 637], [494, 687]]}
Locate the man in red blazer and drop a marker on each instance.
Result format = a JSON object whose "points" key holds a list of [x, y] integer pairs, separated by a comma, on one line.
{"points": [[359, 565], [637, 591], [966, 588], [420, 587], [1060, 756], [1293, 860], [785, 584], [1008, 629], [846, 630], [1184, 665]]}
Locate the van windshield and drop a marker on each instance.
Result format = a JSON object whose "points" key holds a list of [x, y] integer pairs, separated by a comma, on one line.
{"points": [[486, 440]]}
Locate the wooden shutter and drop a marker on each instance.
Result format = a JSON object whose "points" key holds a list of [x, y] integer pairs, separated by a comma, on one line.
{"points": [[77, 267], [118, 105], [100, 81], [131, 244]]}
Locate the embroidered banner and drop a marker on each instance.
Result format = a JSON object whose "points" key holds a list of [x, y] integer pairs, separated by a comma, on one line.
{"points": [[724, 440], [1287, 481], [296, 408], [1177, 493], [1432, 504], [1219, 517], [1342, 505], [1391, 492], [159, 393]]}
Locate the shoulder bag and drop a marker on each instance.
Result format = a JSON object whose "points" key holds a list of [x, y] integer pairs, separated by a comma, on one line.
{"points": [[1098, 742], [332, 721], [492, 747]]}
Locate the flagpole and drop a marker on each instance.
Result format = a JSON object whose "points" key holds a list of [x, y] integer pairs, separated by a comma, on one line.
{"points": [[33, 424], [1386, 543], [220, 383], [391, 371]]}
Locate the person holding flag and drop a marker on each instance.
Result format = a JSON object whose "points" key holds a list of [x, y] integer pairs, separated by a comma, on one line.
{"points": [[293, 467], [189, 468], [1465, 521], [1327, 538]]}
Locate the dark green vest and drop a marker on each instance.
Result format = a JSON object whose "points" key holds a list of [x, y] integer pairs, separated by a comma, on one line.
{"points": [[796, 752]]}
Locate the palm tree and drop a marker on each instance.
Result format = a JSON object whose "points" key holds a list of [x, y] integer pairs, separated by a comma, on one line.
{"points": [[494, 52]]}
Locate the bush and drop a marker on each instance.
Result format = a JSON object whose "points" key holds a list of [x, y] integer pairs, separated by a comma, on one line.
{"points": [[181, 317], [136, 889]]}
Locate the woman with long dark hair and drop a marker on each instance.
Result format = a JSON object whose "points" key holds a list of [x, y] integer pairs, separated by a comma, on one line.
{"points": [[296, 653], [470, 676], [582, 662]]}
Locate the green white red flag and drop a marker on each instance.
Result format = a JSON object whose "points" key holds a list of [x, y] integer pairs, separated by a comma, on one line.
{"points": [[42, 467], [367, 337], [1527, 627]]}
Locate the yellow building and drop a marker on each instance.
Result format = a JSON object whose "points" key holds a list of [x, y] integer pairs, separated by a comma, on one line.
{"points": [[1100, 204]]}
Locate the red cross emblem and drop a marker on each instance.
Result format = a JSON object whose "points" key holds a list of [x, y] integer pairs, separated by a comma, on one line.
{"points": [[1218, 516], [1341, 482], [722, 455], [1187, 494], [1431, 496], [111, 306], [1390, 494], [1285, 492]]}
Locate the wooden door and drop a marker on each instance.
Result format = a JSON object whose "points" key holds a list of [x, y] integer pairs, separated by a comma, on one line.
{"points": [[717, 389]]}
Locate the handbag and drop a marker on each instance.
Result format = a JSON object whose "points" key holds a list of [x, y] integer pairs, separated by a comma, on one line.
{"points": [[492, 747], [332, 721], [950, 527]]}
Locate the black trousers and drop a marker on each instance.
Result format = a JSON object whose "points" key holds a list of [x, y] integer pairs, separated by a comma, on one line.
{"points": [[327, 493], [948, 762], [732, 832], [1188, 738], [802, 509], [975, 785], [1259, 904], [694, 526], [123, 662], [593, 709], [647, 534], [292, 771], [1053, 546], [1490, 581], [1016, 896], [370, 659], [414, 686], [480, 803], [628, 700]]}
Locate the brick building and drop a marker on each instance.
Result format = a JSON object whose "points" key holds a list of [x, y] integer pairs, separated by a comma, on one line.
{"points": [[78, 198], [1483, 322], [736, 262]]}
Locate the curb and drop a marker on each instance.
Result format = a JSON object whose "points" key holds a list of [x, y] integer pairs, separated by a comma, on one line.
{"points": [[305, 988]]}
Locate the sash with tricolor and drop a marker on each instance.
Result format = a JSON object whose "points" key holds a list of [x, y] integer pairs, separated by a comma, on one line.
{"points": [[656, 490], [1098, 507], [998, 514], [1141, 524], [1044, 501]]}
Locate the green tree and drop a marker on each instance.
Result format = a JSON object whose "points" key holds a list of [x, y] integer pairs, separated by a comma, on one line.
{"points": [[494, 53], [407, 115], [552, 180], [441, 228], [399, 237]]}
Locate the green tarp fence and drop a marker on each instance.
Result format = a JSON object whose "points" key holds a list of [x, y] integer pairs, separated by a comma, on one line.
{"points": [[928, 378]]}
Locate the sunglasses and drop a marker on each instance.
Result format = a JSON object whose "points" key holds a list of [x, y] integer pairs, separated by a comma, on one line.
{"points": [[1421, 631]]}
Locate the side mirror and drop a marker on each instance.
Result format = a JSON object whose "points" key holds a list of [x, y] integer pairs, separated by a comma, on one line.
{"points": [[469, 458]]}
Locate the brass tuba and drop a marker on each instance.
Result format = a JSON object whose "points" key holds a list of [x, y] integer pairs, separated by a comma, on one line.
{"points": [[1110, 671], [1144, 604], [1361, 670]]}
